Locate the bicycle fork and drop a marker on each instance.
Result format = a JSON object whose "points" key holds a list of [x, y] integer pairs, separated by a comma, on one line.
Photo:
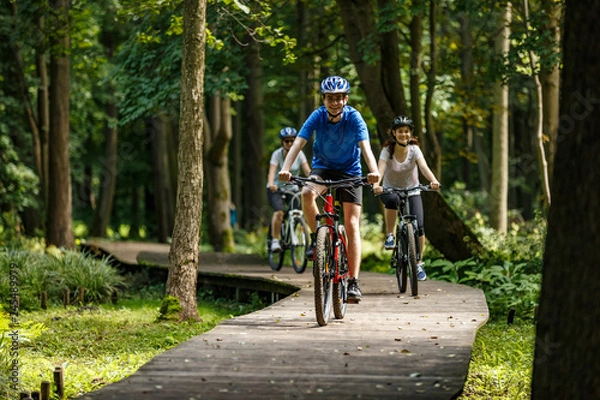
{"points": [[412, 220]]}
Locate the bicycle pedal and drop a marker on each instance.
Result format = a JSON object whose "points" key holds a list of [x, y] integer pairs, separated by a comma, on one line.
{"points": [[353, 301]]}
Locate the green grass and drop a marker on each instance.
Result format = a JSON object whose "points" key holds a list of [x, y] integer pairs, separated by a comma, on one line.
{"points": [[97, 345], [501, 363]]}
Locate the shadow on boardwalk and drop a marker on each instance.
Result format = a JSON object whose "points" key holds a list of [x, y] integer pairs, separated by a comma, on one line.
{"points": [[389, 346]]}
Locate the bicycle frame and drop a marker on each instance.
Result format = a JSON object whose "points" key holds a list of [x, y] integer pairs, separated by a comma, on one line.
{"points": [[288, 235], [294, 235], [329, 220], [330, 264], [407, 252], [405, 218]]}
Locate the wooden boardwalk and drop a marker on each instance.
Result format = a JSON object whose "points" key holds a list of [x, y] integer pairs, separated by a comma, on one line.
{"points": [[389, 346]]}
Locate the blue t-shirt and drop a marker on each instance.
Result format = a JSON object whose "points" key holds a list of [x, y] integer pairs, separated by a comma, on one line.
{"points": [[336, 145]]}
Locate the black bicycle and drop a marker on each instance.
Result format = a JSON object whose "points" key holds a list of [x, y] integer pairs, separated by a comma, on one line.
{"points": [[294, 234], [330, 268], [406, 254]]}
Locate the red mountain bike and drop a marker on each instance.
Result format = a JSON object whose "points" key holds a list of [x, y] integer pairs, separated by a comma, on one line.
{"points": [[330, 268]]}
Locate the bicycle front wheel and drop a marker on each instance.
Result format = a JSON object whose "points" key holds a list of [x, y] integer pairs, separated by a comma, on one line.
{"points": [[298, 243], [322, 272], [412, 259], [275, 259], [398, 260], [340, 288]]}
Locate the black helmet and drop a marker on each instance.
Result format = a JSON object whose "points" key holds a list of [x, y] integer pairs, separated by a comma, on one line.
{"points": [[402, 120], [335, 84], [288, 132]]}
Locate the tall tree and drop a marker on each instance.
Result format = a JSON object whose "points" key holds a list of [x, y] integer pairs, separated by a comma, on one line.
{"points": [[416, 50], [539, 112], [434, 149], [217, 136], [255, 201], [109, 162], [183, 255], [59, 230], [375, 55], [499, 189], [550, 75], [568, 330], [159, 131]]}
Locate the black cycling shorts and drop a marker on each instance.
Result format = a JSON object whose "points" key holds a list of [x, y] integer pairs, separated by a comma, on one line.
{"points": [[352, 195], [392, 200]]}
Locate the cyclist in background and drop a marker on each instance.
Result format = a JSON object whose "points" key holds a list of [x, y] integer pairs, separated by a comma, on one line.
{"points": [[287, 136], [341, 136], [399, 164]]}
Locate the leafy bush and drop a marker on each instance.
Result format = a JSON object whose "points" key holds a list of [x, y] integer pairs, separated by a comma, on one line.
{"points": [[510, 272], [52, 273]]}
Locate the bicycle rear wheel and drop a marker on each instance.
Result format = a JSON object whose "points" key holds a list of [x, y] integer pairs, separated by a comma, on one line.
{"points": [[322, 276], [340, 288], [398, 260], [298, 242], [275, 259], [412, 259]]}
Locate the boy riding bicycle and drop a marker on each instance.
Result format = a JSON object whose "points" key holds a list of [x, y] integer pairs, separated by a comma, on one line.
{"points": [[341, 136]]}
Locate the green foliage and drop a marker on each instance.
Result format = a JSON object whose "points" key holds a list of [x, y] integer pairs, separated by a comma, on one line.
{"points": [[14, 337], [18, 184], [109, 342], [169, 309], [502, 362], [510, 271], [53, 273]]}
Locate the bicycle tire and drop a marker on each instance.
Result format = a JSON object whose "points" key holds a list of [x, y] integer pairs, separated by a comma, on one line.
{"points": [[340, 288], [412, 259], [322, 276], [298, 249], [275, 259], [398, 259]]}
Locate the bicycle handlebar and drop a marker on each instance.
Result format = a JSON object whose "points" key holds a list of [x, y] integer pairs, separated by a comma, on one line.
{"points": [[341, 183], [404, 191]]}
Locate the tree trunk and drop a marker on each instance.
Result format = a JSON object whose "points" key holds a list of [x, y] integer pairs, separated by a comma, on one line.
{"points": [[111, 157], [158, 127], [446, 231], [539, 134], [416, 48], [106, 196], [237, 180], [255, 198], [499, 188], [59, 231], [30, 216], [568, 330], [217, 174], [43, 111], [550, 78], [183, 256], [434, 150], [380, 79], [474, 139]]}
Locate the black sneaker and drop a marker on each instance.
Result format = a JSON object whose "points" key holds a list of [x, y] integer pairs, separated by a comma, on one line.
{"points": [[310, 250], [354, 290]]}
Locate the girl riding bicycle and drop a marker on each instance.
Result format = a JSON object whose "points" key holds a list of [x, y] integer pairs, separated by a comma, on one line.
{"points": [[287, 136], [399, 164]]}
